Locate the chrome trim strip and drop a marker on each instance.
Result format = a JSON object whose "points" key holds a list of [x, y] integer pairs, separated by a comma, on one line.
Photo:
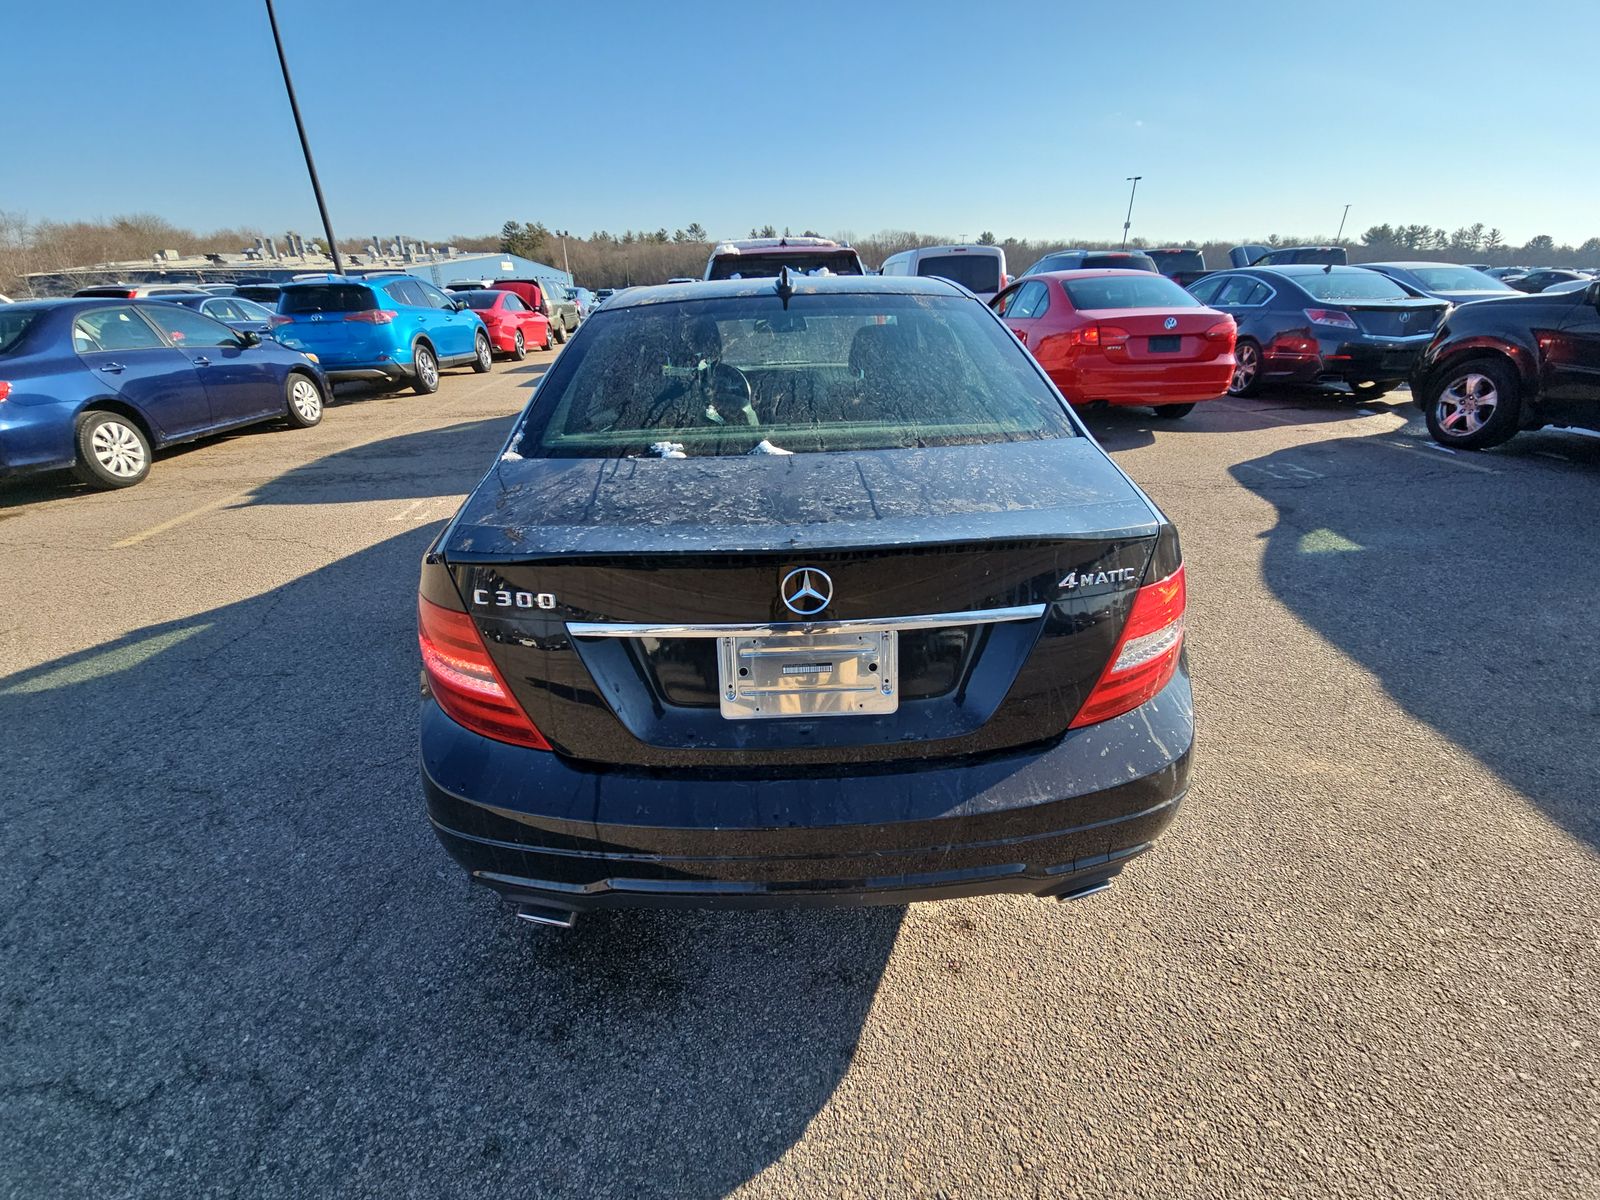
{"points": [[987, 616]]}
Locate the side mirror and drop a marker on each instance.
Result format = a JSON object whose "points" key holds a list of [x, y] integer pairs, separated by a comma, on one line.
{"points": [[458, 305], [248, 338]]}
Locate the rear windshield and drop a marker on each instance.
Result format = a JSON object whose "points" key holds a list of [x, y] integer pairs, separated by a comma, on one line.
{"points": [[1458, 279], [742, 375], [767, 266], [326, 297], [12, 322], [479, 299], [976, 272], [1321, 255], [1128, 291], [1352, 283], [1178, 260]]}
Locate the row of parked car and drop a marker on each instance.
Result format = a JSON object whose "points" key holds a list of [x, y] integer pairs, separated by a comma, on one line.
{"points": [[98, 382], [1486, 353]]}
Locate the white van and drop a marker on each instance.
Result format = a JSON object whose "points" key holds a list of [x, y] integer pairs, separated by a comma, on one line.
{"points": [[980, 269]]}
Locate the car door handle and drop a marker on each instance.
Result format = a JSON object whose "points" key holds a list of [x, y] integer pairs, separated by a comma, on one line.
{"points": [[113, 368], [202, 361]]}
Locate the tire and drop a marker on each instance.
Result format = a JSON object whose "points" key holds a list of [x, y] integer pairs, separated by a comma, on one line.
{"points": [[426, 380], [560, 330], [1173, 412], [1475, 404], [1368, 390], [113, 451], [549, 338], [303, 400], [1246, 379], [482, 354], [519, 347]]}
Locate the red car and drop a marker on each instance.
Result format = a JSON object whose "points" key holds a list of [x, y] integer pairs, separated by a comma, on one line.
{"points": [[512, 325], [1122, 337]]}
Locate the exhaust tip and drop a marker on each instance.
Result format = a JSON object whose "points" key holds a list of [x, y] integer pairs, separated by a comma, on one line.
{"points": [[1083, 893], [547, 914]]}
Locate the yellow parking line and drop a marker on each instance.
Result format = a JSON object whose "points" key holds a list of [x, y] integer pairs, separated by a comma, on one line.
{"points": [[181, 519]]}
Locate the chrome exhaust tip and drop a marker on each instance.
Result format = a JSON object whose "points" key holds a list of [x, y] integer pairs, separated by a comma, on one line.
{"points": [[1083, 893], [546, 914]]}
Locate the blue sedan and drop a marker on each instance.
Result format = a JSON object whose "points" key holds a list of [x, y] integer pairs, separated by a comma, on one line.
{"points": [[237, 313], [96, 385]]}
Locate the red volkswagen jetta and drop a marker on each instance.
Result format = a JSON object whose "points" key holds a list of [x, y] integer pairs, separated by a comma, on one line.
{"points": [[1122, 337]]}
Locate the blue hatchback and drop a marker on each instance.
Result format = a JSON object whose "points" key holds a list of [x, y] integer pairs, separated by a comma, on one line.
{"points": [[96, 385], [383, 329]]}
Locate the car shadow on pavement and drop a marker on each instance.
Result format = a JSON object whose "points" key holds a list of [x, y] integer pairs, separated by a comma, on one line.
{"points": [[235, 960], [1462, 583], [1128, 427]]}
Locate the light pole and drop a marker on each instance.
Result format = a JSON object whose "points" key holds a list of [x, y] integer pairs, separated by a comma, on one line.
{"points": [[1128, 223], [566, 263], [1342, 219], [311, 166]]}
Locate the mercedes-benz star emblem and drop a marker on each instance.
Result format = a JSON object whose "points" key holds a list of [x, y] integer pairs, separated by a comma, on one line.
{"points": [[806, 591], [1170, 323]]}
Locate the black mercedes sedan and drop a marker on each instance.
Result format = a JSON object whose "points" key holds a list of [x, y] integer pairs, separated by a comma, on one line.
{"points": [[800, 591], [1506, 365], [1307, 324]]}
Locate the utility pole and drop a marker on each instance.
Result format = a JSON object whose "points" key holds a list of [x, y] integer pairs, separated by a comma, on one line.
{"points": [[1340, 234], [305, 145], [566, 263], [1128, 223]]}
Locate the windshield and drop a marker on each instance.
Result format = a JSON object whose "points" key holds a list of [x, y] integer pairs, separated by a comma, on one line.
{"points": [[742, 375], [12, 322], [479, 300], [1351, 283], [1178, 260], [1128, 291], [327, 297], [975, 272], [1458, 279], [767, 266]]}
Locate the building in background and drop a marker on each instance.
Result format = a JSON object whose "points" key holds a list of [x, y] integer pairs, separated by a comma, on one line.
{"points": [[267, 262]]}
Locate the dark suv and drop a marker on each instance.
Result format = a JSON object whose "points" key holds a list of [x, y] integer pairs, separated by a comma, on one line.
{"points": [[1180, 264], [1497, 366]]}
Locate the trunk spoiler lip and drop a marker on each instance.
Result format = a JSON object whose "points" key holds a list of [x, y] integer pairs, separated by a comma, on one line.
{"points": [[631, 629]]}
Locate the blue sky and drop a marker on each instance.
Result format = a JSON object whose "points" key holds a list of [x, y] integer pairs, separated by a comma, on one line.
{"points": [[441, 118]]}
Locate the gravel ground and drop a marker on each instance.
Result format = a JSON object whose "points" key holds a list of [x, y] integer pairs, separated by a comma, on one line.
{"points": [[234, 961]]}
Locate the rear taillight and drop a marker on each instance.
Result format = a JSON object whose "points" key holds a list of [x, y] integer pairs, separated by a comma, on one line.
{"points": [[1331, 316], [1109, 337], [1146, 656], [5, 389], [279, 319], [463, 679], [372, 316], [1223, 331]]}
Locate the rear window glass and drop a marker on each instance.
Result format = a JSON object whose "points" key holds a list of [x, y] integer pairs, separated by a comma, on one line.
{"points": [[1178, 260], [326, 297], [1122, 262], [767, 266], [12, 324], [480, 300], [1128, 291], [1351, 283], [976, 272], [742, 375]]}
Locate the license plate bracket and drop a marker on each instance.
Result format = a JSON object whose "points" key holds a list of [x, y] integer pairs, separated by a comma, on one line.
{"points": [[838, 674], [1166, 344]]}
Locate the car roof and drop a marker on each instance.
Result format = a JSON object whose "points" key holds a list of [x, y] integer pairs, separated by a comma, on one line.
{"points": [[804, 285], [1410, 266], [325, 280], [1088, 273], [1293, 270]]}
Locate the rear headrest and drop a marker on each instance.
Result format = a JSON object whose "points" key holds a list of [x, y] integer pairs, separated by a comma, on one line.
{"points": [[872, 346]]}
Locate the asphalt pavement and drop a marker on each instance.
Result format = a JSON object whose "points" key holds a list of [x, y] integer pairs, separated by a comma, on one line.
{"points": [[1362, 963]]}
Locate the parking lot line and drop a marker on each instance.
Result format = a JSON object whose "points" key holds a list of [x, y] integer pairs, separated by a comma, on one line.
{"points": [[181, 519], [1401, 446]]}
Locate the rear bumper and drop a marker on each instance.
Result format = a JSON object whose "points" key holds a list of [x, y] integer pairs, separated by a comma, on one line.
{"points": [[1376, 361], [1051, 820], [1148, 383]]}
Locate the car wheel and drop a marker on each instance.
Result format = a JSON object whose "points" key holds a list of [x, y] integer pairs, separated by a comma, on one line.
{"points": [[1474, 405], [519, 347], [1172, 412], [304, 401], [483, 354], [1368, 390], [426, 365], [1246, 379], [112, 451], [561, 331], [549, 338]]}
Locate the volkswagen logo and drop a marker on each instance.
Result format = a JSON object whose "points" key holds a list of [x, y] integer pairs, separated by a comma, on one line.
{"points": [[806, 591], [1170, 323]]}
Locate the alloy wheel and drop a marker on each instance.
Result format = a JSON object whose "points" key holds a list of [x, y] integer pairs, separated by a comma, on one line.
{"points": [[307, 400], [427, 368], [1244, 370], [118, 449], [485, 355], [522, 345], [1467, 404]]}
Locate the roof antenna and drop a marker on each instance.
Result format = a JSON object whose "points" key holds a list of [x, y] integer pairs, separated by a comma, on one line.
{"points": [[785, 287]]}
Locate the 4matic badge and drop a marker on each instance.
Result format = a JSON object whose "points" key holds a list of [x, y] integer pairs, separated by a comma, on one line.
{"points": [[1083, 579]]}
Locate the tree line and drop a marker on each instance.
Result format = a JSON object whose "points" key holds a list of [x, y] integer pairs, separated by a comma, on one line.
{"points": [[607, 259]]}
